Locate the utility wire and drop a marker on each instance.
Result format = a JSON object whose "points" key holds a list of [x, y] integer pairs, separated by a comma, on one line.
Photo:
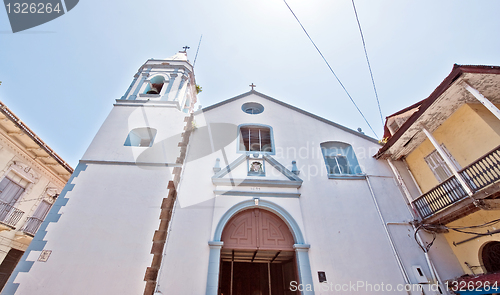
{"points": [[368, 62], [199, 43], [342, 85], [434, 228]]}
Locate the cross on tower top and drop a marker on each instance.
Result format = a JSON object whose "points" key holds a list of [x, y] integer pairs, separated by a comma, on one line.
{"points": [[186, 48], [252, 85]]}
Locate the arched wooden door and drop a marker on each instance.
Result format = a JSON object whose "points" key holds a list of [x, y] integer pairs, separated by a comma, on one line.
{"points": [[257, 257], [257, 229]]}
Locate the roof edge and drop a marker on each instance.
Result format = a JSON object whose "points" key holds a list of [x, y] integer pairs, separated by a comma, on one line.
{"points": [[9, 114], [456, 72]]}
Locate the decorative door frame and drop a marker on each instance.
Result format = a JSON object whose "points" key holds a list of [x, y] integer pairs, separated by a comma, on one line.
{"points": [[301, 248]]}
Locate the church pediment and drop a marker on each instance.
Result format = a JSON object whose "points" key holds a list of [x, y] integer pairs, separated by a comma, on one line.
{"points": [[256, 175]]}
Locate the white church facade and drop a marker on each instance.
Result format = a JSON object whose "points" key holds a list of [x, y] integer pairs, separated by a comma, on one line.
{"points": [[247, 196]]}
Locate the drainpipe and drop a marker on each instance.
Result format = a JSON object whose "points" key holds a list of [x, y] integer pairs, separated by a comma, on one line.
{"points": [[408, 199], [403, 186], [412, 176], [394, 251]]}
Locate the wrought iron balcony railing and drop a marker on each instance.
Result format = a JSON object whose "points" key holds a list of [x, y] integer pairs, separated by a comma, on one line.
{"points": [[440, 197], [477, 175], [31, 226], [484, 171], [9, 215]]}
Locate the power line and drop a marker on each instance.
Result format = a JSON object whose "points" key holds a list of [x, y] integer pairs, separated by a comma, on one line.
{"points": [[319, 51], [199, 43], [368, 62]]}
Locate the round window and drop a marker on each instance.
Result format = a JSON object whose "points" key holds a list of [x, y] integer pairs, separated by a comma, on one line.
{"points": [[252, 108]]}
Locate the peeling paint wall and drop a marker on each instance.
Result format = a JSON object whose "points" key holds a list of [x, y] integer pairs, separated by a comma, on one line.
{"points": [[468, 134]]}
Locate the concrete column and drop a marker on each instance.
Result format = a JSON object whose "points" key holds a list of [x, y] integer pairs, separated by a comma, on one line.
{"points": [[130, 87], [305, 275], [144, 76], [447, 161], [488, 104], [213, 268], [167, 87], [164, 87], [171, 91]]}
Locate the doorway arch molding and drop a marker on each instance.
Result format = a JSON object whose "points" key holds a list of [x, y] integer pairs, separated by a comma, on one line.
{"points": [[270, 206], [301, 248]]}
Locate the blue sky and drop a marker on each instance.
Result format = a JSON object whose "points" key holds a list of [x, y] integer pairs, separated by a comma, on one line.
{"points": [[61, 78]]}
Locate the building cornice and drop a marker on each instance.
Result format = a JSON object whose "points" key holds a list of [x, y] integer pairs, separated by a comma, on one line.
{"points": [[26, 130], [20, 154]]}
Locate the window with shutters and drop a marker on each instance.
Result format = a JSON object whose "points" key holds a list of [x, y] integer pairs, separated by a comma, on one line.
{"points": [[255, 139], [394, 126], [33, 223], [12, 187], [438, 165]]}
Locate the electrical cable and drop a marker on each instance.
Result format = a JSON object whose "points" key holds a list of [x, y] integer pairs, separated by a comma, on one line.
{"points": [[198, 49], [368, 62], [342, 85], [489, 223], [35, 199], [433, 228], [429, 245]]}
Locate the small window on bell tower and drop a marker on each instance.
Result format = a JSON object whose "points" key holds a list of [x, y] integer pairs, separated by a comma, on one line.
{"points": [[143, 137]]}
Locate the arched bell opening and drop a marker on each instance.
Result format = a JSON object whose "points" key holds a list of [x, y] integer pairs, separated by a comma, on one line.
{"points": [[257, 256], [155, 85]]}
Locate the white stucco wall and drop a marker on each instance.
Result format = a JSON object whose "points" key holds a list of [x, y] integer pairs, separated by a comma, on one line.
{"points": [[338, 218], [101, 235], [102, 240], [108, 144]]}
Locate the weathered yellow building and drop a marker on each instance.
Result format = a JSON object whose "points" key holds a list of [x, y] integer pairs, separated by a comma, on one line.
{"points": [[31, 177], [445, 151]]}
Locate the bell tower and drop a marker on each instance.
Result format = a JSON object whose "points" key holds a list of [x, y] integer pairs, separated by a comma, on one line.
{"points": [[120, 198], [165, 81]]}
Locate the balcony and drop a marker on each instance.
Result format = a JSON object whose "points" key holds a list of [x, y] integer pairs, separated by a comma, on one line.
{"points": [[449, 200], [9, 215], [31, 226]]}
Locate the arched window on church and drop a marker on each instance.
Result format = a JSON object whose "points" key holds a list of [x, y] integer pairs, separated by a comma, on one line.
{"points": [[255, 138], [340, 160], [155, 85], [143, 137]]}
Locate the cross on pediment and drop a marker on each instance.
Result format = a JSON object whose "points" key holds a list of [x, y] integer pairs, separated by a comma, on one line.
{"points": [[252, 85]]}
